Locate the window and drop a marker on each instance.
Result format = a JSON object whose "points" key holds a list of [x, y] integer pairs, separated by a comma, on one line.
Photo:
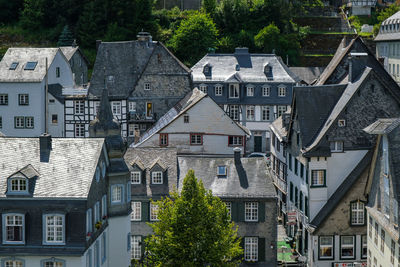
{"points": [[136, 177], [116, 108], [153, 212], [326, 247], [89, 221], [392, 251], [13, 230], [18, 185], [357, 213], [347, 247], [30, 65], [156, 177], [96, 107], [370, 226], [57, 72], [218, 90], [136, 247], [306, 206], [23, 99], [291, 192], [104, 206], [336, 146], [233, 91], [186, 119], [13, 263], [229, 208], [3, 99], [54, 229], [14, 65], [196, 139], [364, 246], [250, 112], [97, 174], [251, 211], [281, 91], [54, 118], [383, 241], [110, 79], [235, 140], [96, 254], [1, 122], [96, 212], [296, 196], [341, 123], [266, 90], [203, 88], [29, 122], [234, 112], [132, 128], [116, 194], [136, 214], [149, 109], [163, 139], [19, 122], [250, 248], [281, 110], [318, 177], [376, 234], [265, 113], [147, 86], [301, 200], [221, 170], [79, 107], [103, 247], [53, 263], [250, 91], [296, 163], [132, 106], [79, 130]]}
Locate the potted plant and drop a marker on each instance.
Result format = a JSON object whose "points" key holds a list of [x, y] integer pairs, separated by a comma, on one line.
{"points": [[98, 225]]}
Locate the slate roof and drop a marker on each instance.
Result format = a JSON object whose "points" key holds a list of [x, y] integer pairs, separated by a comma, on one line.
{"points": [[382, 126], [69, 51], [342, 190], [22, 56], [126, 61], [389, 35], [166, 157], [61, 93], [249, 179], [68, 173], [251, 68], [308, 74], [279, 129], [191, 99]]}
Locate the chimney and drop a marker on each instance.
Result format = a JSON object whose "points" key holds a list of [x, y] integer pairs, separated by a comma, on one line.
{"points": [[241, 51], [357, 64], [144, 37], [74, 44], [98, 42], [236, 155], [45, 142]]}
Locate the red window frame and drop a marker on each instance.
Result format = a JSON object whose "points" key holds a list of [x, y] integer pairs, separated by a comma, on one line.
{"points": [[232, 136], [161, 136], [190, 139]]}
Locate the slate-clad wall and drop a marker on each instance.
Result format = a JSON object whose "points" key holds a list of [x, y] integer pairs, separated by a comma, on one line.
{"points": [[79, 69], [75, 231]]}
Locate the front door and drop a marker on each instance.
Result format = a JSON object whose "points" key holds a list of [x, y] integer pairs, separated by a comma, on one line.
{"points": [[257, 143]]}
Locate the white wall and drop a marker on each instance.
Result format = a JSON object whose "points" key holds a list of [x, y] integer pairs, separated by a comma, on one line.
{"points": [[56, 129], [118, 230], [65, 78]]}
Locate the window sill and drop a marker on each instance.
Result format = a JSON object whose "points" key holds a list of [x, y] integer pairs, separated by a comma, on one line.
{"points": [[13, 242], [54, 244], [318, 186]]}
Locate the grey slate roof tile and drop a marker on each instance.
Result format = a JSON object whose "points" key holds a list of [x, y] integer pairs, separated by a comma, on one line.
{"points": [[392, 34], [307, 74], [68, 172], [382, 126]]}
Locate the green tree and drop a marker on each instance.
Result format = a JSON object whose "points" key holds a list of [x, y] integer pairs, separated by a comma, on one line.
{"points": [[194, 230], [66, 37], [194, 36], [209, 6], [92, 23], [32, 15], [267, 39]]}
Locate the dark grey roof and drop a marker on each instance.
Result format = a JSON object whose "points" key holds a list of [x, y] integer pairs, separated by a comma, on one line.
{"points": [[61, 93], [313, 105], [307, 74], [382, 126], [342, 190], [279, 129], [56, 91], [126, 61], [67, 173], [69, 51], [251, 68], [148, 157], [249, 179], [391, 34]]}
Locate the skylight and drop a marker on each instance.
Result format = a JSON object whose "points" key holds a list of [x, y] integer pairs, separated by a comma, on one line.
{"points": [[31, 65], [13, 65], [221, 170]]}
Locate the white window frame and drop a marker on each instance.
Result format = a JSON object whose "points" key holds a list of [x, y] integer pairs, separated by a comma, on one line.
{"points": [[104, 206], [282, 91], [116, 107], [29, 122], [19, 122], [132, 106], [23, 99], [347, 246], [281, 110], [79, 107], [357, 213], [265, 113], [117, 194], [96, 107], [236, 140], [250, 112], [234, 112], [196, 139], [266, 90], [20, 186], [3, 99], [336, 146], [18, 220], [251, 248], [222, 170], [136, 248], [218, 90], [13, 262], [89, 221], [324, 246], [147, 86], [251, 212], [79, 130], [53, 263], [250, 90], [316, 176], [54, 229], [203, 88], [132, 128], [157, 177], [136, 214], [153, 212], [136, 177], [234, 90]]}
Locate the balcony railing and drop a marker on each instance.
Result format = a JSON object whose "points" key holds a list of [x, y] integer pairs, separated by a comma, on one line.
{"points": [[142, 117]]}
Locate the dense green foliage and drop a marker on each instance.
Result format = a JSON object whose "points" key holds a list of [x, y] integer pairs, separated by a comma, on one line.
{"points": [[194, 230]]}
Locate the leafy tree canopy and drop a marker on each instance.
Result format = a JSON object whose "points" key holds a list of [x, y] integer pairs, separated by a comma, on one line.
{"points": [[194, 229]]}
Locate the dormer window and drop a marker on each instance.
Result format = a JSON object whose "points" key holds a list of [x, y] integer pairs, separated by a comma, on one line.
{"points": [[136, 177], [14, 65], [18, 185], [157, 177], [221, 170], [31, 65], [207, 70], [268, 72]]}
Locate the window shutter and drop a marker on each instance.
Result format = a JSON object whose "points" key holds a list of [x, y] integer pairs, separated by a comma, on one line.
{"points": [[240, 212], [142, 247], [324, 177], [145, 211], [261, 249], [143, 177], [165, 177], [261, 211]]}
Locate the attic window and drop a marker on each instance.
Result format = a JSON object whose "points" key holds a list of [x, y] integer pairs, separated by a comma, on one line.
{"points": [[341, 123], [18, 185], [237, 67], [31, 65], [221, 170], [14, 65], [268, 72]]}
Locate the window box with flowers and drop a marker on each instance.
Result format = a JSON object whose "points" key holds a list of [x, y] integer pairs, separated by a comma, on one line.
{"points": [[88, 235], [98, 225]]}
